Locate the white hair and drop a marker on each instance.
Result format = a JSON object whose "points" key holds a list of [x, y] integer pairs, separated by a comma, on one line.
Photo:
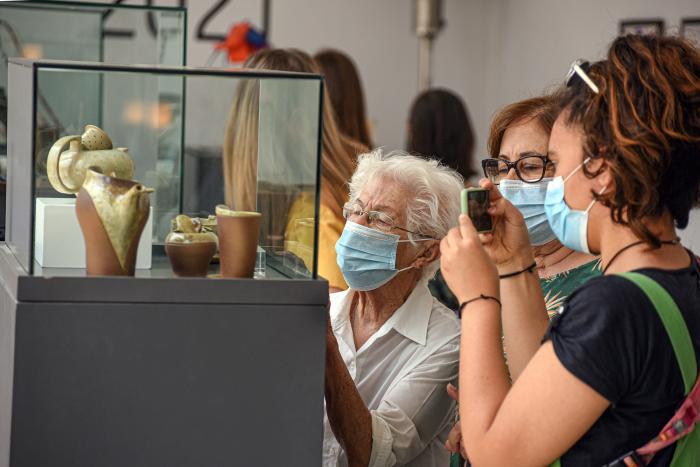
{"points": [[434, 191]]}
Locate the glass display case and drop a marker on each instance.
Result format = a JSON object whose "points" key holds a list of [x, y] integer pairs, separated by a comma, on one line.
{"points": [[249, 140], [113, 33]]}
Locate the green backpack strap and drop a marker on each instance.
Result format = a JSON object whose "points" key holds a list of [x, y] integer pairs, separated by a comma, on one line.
{"points": [[677, 332], [674, 324], [687, 450]]}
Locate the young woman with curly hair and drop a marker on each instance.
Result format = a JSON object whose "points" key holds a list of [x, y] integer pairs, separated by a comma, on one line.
{"points": [[619, 359]]}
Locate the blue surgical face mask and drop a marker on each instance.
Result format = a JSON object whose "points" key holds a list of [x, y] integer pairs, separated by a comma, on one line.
{"points": [[367, 257], [529, 199], [569, 225]]}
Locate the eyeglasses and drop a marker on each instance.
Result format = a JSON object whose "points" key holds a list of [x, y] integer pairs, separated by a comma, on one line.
{"points": [[375, 219], [530, 168], [578, 69]]}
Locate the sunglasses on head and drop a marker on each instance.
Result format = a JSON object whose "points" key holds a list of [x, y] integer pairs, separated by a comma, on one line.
{"points": [[578, 70]]}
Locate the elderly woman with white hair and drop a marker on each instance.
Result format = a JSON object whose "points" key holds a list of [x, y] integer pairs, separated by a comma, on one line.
{"points": [[392, 347]]}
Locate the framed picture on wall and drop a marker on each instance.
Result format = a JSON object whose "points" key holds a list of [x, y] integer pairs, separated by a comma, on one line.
{"points": [[642, 27], [690, 29]]}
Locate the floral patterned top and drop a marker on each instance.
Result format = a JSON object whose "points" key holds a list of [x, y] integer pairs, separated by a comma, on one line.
{"points": [[560, 286], [555, 288]]}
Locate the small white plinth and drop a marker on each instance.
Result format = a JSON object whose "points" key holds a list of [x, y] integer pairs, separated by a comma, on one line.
{"points": [[58, 240]]}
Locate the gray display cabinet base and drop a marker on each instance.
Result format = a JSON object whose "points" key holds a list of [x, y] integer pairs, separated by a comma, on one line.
{"points": [[108, 371]]}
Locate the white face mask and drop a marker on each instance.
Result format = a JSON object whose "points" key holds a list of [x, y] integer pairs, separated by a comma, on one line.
{"points": [[529, 199], [367, 257], [569, 225]]}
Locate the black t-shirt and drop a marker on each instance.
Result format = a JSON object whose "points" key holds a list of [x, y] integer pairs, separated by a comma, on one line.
{"points": [[611, 338]]}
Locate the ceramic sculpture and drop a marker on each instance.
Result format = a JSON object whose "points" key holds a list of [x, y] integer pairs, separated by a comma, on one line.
{"points": [[67, 168], [190, 247], [112, 213], [238, 241]]}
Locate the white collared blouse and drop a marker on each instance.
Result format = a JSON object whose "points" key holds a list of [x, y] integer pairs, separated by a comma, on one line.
{"points": [[401, 373]]}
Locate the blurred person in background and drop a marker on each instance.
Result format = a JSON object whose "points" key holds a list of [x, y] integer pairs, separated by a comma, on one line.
{"points": [[344, 89], [439, 127], [338, 156]]}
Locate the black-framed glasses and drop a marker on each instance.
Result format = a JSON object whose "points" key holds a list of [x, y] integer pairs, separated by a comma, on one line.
{"points": [[579, 69], [530, 168], [375, 219]]}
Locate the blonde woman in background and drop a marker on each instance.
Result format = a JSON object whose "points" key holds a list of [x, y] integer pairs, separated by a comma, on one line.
{"points": [[346, 94], [292, 209]]}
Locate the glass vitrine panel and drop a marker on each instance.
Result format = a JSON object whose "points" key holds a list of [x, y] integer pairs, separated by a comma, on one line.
{"points": [[198, 137]]}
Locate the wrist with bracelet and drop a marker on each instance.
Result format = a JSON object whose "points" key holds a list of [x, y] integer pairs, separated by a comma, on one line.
{"points": [[472, 300], [530, 268]]}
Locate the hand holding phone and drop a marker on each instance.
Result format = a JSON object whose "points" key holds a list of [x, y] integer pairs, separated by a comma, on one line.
{"points": [[475, 204]]}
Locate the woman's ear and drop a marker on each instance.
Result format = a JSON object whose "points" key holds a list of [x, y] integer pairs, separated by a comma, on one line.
{"points": [[604, 180], [599, 166], [430, 254]]}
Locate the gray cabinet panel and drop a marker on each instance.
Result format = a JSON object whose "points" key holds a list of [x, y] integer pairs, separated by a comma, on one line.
{"points": [[162, 383]]}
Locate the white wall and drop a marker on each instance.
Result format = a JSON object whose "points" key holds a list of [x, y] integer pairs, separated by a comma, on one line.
{"points": [[378, 34]]}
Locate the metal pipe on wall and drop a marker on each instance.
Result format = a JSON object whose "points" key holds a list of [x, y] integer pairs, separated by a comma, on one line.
{"points": [[428, 22]]}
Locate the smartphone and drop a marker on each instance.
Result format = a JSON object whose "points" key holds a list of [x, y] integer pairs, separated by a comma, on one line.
{"points": [[475, 204]]}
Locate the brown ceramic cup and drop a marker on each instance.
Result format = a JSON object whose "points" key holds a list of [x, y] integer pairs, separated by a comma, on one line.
{"points": [[190, 253], [238, 241]]}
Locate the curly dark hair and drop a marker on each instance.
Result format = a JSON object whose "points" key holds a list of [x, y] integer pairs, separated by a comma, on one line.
{"points": [[645, 126]]}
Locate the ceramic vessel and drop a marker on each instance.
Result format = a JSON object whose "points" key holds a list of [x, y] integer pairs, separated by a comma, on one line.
{"points": [[238, 241], [112, 213], [208, 224], [190, 247], [203, 224], [66, 168]]}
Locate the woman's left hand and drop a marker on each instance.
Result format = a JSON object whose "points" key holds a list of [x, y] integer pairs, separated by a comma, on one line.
{"points": [[465, 265], [454, 442]]}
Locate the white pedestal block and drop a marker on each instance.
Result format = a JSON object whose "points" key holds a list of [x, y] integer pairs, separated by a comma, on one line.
{"points": [[58, 240]]}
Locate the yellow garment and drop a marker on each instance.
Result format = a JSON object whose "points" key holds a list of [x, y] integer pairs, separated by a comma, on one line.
{"points": [[299, 237]]}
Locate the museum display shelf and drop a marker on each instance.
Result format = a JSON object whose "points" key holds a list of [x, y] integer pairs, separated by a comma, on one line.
{"points": [[150, 368], [262, 127]]}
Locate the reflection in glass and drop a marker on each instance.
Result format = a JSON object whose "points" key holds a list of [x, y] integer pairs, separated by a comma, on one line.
{"points": [[270, 165], [174, 123]]}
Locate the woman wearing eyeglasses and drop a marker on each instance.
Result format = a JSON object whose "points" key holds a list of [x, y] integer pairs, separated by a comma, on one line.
{"points": [[391, 347], [520, 168], [609, 383]]}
